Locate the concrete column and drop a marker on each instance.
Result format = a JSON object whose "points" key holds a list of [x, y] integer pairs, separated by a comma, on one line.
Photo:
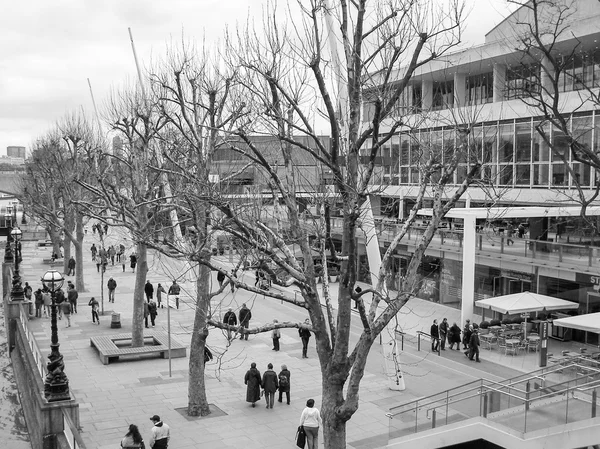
{"points": [[468, 276], [499, 82], [427, 94], [545, 71], [460, 89]]}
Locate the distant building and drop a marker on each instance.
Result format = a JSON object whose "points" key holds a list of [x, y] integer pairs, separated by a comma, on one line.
{"points": [[15, 152], [12, 161]]}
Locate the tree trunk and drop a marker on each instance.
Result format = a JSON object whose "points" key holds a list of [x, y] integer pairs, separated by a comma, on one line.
{"points": [[78, 244], [334, 429], [137, 325], [198, 403], [66, 253]]}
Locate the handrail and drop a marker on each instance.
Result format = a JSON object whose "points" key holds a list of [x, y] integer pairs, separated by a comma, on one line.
{"points": [[419, 333]]}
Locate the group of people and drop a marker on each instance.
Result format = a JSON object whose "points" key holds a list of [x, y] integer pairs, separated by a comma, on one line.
{"points": [[42, 298], [470, 338], [231, 320], [103, 255], [160, 435]]}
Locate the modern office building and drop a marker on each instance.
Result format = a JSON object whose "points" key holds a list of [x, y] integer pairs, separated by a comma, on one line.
{"points": [[16, 152]]}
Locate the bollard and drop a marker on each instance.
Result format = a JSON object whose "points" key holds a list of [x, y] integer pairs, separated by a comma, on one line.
{"points": [[115, 322]]}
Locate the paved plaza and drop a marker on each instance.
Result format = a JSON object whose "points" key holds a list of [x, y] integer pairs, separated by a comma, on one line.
{"points": [[113, 396]]}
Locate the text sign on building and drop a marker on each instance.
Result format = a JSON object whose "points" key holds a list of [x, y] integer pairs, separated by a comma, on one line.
{"points": [[543, 343], [586, 278]]}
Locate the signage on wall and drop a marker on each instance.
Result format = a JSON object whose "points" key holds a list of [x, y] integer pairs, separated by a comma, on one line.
{"points": [[586, 278]]}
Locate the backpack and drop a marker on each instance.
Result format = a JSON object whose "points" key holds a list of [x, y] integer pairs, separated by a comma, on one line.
{"points": [[283, 381]]}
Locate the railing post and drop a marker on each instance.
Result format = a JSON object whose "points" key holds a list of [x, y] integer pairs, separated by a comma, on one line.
{"points": [[527, 390], [433, 416], [590, 256], [485, 405], [418, 341], [501, 245], [594, 399], [560, 253], [480, 241]]}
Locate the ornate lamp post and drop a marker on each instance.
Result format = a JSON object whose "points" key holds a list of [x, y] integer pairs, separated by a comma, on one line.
{"points": [[16, 293], [56, 385]]}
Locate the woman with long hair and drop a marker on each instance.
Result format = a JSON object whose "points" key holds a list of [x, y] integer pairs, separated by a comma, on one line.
{"points": [[133, 438]]}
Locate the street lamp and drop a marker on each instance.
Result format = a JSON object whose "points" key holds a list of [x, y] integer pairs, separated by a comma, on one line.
{"points": [[16, 293], [56, 385]]}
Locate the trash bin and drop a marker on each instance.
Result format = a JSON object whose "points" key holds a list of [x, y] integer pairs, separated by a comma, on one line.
{"points": [[115, 322]]}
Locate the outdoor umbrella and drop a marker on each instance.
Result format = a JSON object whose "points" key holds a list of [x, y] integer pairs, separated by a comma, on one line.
{"points": [[588, 323], [525, 302]]}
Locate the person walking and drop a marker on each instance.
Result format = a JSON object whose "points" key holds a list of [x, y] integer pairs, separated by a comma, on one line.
{"points": [[467, 337], [444, 328], [132, 262], [230, 320], [39, 303], [510, 232], [71, 266], [311, 421], [94, 250], [27, 291], [245, 315], [95, 308], [253, 381], [275, 335], [112, 286], [159, 291], [174, 293], [133, 438], [454, 336], [220, 278], [72, 296], [284, 383], [304, 333], [66, 310], [146, 313], [149, 290], [47, 301], [474, 346], [160, 434], [153, 311], [270, 385], [59, 298], [466, 334], [112, 252], [104, 259], [435, 337]]}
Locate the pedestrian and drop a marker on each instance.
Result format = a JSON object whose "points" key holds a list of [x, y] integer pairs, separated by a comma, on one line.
{"points": [[149, 290], [444, 327], [98, 263], [208, 356], [284, 384], [220, 278], [112, 286], [454, 336], [304, 333], [510, 232], [174, 293], [133, 262], [356, 296], [72, 296], [133, 438], [245, 316], [146, 313], [253, 381], [66, 310], [104, 260], [521, 230], [159, 291], [230, 320], [27, 291], [121, 253], [311, 421], [161, 434], [435, 337], [47, 301], [153, 310], [71, 267], [59, 298], [39, 303], [275, 335], [270, 385], [93, 249], [257, 274], [474, 346], [95, 307], [466, 334], [112, 252], [106, 228]]}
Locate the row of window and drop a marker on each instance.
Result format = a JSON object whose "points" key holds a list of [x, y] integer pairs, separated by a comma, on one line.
{"points": [[513, 153]]}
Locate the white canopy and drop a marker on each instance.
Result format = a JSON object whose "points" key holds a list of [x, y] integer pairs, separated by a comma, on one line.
{"points": [[525, 302], [589, 322]]}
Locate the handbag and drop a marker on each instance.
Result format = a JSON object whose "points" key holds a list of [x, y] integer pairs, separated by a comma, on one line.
{"points": [[301, 437]]}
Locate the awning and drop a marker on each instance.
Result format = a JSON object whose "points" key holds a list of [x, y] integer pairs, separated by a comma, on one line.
{"points": [[525, 302], [589, 322]]}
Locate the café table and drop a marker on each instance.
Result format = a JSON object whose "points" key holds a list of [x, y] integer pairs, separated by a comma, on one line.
{"points": [[512, 345], [487, 340]]}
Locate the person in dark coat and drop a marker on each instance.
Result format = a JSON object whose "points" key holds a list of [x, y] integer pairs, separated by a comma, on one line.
{"points": [[454, 336], [149, 290], [71, 267], [231, 320], [444, 328], [435, 336], [304, 333], [284, 384], [133, 262], [220, 278], [245, 315], [474, 346], [253, 382], [270, 385], [466, 334], [146, 313], [153, 311]]}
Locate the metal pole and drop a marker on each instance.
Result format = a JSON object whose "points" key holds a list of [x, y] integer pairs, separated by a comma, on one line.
{"points": [[169, 333]]}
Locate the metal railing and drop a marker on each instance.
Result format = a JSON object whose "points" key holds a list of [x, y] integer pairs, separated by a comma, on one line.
{"points": [[555, 395], [426, 335], [40, 359], [71, 432]]}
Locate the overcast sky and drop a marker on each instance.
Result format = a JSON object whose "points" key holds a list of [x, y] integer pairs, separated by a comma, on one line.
{"points": [[48, 49]]}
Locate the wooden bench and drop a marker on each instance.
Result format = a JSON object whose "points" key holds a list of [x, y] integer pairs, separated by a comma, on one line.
{"points": [[155, 343], [56, 261], [46, 243]]}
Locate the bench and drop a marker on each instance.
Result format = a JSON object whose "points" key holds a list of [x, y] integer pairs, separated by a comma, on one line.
{"points": [[46, 243], [50, 262], [155, 343]]}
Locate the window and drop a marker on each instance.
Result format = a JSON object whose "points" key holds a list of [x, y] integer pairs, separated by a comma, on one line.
{"points": [[443, 95], [480, 88], [522, 81]]}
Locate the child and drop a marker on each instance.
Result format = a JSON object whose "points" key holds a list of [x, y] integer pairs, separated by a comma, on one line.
{"points": [[95, 306]]}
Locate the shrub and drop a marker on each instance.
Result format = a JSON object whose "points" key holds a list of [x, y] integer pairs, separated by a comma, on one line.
{"points": [[484, 324], [495, 322], [517, 320], [506, 321]]}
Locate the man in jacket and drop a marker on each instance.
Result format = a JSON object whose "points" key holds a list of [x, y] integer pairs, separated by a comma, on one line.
{"points": [[160, 434], [245, 316], [304, 333], [230, 320], [474, 345], [174, 293], [112, 285], [71, 267], [435, 337], [270, 385], [72, 296], [444, 327], [149, 290]]}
